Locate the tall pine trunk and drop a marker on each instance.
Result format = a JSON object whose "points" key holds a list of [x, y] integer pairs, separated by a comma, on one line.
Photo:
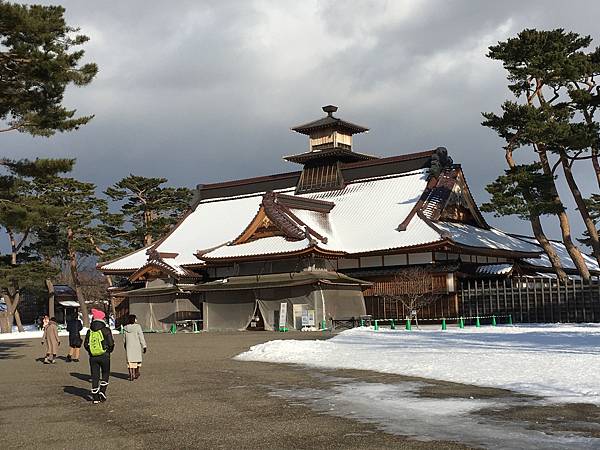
{"points": [[15, 299], [11, 315], [5, 322], [77, 286], [147, 222], [75, 276], [596, 165], [538, 232], [563, 220], [588, 115], [581, 206], [113, 310], [50, 286]]}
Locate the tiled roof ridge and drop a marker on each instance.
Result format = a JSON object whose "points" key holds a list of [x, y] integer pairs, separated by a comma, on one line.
{"points": [[328, 122], [291, 190], [354, 165], [434, 204], [306, 203]]}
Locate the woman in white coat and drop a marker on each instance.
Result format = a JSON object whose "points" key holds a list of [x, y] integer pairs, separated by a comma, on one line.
{"points": [[135, 345]]}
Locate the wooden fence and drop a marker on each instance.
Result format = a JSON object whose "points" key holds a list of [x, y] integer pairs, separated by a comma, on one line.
{"points": [[531, 299], [381, 307]]}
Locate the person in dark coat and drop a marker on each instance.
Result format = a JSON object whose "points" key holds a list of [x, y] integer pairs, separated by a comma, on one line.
{"points": [[74, 327], [99, 344]]}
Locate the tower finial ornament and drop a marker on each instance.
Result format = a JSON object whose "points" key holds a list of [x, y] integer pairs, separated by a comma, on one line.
{"points": [[330, 109]]}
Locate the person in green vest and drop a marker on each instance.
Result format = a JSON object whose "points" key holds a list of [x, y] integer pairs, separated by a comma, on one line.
{"points": [[99, 344]]}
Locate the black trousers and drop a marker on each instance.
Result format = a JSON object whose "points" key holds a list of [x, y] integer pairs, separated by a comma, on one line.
{"points": [[100, 364]]}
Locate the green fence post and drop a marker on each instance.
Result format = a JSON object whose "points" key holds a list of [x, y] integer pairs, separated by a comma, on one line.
{"points": [[376, 326], [408, 326], [173, 328], [443, 324], [323, 325], [122, 330], [392, 324], [461, 323], [493, 321], [362, 322], [477, 323], [510, 319]]}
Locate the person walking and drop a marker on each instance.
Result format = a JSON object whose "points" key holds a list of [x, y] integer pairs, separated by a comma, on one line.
{"points": [[50, 338], [99, 344], [74, 327], [135, 346]]}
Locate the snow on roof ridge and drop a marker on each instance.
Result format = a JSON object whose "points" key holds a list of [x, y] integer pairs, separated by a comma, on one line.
{"points": [[386, 177], [292, 189]]}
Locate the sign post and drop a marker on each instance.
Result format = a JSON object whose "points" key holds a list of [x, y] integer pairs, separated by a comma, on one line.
{"points": [[283, 317], [308, 318]]}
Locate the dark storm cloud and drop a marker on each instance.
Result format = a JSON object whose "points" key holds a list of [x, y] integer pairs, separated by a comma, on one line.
{"points": [[207, 91]]}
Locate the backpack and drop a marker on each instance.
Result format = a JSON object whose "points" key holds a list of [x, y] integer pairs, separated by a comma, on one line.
{"points": [[96, 343]]}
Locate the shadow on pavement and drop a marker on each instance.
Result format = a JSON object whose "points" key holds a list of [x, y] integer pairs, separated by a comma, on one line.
{"points": [[87, 377], [122, 376], [81, 376], [77, 391], [7, 350]]}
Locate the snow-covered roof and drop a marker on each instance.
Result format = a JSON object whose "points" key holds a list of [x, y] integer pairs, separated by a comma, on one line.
{"points": [[367, 214], [364, 217], [471, 236], [494, 269], [131, 261], [266, 246], [565, 259], [213, 223]]}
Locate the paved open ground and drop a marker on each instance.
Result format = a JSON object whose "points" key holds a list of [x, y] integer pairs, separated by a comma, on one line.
{"points": [[193, 395]]}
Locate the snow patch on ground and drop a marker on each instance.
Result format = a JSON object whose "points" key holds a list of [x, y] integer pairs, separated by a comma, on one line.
{"points": [[397, 409], [560, 362], [32, 332]]}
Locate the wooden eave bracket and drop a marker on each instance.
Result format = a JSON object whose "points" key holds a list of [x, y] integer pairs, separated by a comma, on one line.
{"points": [[278, 214]]}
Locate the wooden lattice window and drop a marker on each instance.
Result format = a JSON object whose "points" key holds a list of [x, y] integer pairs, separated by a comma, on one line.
{"points": [[320, 178]]}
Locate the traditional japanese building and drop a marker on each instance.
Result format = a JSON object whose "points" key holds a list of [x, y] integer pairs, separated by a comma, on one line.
{"points": [[327, 239]]}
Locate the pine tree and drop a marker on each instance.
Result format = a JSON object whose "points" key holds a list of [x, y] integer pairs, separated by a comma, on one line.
{"points": [[524, 191], [22, 214], [80, 231], [36, 66], [541, 64], [149, 209]]}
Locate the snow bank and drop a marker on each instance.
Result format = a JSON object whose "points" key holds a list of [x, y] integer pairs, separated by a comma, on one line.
{"points": [[556, 361], [32, 332]]}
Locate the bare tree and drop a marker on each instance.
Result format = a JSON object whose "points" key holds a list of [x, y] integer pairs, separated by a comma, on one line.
{"points": [[415, 288]]}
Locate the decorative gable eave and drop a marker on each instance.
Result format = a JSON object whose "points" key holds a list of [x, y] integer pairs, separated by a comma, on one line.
{"points": [[437, 195], [157, 267], [274, 218], [455, 187]]}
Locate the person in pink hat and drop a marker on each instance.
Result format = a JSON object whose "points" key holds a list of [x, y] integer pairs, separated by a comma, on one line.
{"points": [[99, 344]]}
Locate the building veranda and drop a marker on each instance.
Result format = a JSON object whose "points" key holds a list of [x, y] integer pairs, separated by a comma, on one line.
{"points": [[349, 234]]}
